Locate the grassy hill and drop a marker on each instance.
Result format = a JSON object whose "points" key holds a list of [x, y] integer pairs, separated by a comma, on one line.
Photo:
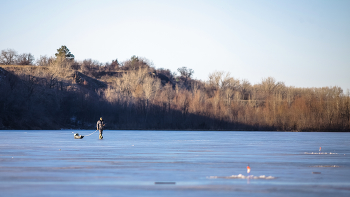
{"points": [[134, 95]]}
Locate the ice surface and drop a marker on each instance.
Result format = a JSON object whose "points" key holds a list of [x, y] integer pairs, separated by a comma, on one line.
{"points": [[240, 176], [129, 163]]}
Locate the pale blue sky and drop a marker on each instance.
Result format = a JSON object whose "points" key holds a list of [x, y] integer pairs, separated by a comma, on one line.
{"points": [[302, 43]]}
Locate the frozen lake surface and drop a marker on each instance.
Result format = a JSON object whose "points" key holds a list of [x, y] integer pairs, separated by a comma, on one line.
{"points": [[173, 163]]}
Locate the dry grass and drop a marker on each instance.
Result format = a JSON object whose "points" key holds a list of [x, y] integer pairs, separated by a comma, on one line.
{"points": [[23, 66]]}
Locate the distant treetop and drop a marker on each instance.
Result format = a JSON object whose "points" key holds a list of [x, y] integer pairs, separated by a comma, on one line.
{"points": [[64, 52]]}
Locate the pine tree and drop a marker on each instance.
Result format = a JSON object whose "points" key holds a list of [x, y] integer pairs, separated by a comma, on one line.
{"points": [[64, 52]]}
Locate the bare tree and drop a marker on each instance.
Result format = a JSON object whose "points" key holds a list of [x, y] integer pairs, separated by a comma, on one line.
{"points": [[129, 81], [150, 86], [185, 72], [215, 79], [245, 89], [8, 57], [270, 86], [90, 66], [25, 59], [136, 63], [45, 61]]}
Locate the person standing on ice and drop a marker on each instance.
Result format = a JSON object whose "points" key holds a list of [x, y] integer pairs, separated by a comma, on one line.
{"points": [[100, 124]]}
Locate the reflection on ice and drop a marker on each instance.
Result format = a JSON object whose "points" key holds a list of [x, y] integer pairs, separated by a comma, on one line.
{"points": [[320, 153], [325, 166], [240, 176]]}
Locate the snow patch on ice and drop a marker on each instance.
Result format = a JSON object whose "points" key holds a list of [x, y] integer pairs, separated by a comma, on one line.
{"points": [[240, 176], [325, 166], [320, 153]]}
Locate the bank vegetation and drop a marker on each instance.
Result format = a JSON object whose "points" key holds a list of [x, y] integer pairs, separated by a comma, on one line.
{"points": [[60, 92]]}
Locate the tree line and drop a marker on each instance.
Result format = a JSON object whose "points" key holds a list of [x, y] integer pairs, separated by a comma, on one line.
{"points": [[62, 92]]}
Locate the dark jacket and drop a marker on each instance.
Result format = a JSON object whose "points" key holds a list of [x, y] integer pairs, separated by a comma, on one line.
{"points": [[99, 125]]}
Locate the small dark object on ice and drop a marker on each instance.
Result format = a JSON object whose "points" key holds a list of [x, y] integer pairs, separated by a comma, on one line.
{"points": [[159, 183], [316, 172], [77, 136]]}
